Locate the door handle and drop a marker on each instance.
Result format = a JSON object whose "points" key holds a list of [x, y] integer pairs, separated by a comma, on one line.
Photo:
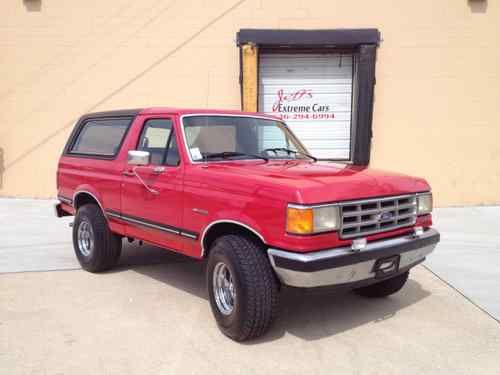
{"points": [[155, 170]]}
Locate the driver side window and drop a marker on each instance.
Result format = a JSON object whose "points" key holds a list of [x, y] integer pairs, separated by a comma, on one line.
{"points": [[158, 138]]}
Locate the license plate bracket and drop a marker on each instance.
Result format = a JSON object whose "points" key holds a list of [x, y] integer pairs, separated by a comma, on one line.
{"points": [[387, 266]]}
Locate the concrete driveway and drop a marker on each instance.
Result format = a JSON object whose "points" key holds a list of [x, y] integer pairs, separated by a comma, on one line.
{"points": [[151, 315], [468, 257]]}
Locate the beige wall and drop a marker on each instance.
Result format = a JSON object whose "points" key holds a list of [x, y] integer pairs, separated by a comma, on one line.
{"points": [[437, 98]]}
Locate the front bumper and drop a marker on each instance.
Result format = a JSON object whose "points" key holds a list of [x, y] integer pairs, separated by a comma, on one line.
{"points": [[346, 267]]}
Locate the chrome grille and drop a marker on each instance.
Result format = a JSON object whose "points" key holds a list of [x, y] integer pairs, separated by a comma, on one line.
{"points": [[370, 216]]}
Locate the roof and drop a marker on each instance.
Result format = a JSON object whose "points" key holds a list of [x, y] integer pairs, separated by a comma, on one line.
{"points": [[171, 111], [188, 111], [114, 113]]}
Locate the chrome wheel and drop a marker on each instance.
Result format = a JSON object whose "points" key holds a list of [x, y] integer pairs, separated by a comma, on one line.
{"points": [[85, 238], [224, 289]]}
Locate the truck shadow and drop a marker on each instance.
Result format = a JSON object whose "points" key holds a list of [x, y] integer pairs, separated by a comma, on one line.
{"points": [[307, 314], [313, 315], [176, 270]]}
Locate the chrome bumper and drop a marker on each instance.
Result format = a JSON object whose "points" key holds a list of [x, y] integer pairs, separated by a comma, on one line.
{"points": [[344, 266]]}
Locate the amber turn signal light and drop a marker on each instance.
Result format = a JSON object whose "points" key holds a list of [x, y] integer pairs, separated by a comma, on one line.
{"points": [[299, 220]]}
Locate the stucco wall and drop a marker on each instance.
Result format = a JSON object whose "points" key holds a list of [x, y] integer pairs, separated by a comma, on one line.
{"points": [[436, 99]]}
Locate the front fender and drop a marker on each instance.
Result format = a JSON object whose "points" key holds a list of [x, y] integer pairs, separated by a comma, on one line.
{"points": [[233, 217]]}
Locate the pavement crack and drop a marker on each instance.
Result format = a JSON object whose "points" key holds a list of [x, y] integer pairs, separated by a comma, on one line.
{"points": [[483, 310]]}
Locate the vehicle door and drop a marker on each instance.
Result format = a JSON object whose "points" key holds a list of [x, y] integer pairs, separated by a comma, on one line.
{"points": [[152, 194]]}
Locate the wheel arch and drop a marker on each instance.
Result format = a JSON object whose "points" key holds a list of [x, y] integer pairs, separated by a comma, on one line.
{"points": [[220, 228], [82, 197]]}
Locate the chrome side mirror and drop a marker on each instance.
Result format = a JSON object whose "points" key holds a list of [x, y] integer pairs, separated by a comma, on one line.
{"points": [[136, 157]]}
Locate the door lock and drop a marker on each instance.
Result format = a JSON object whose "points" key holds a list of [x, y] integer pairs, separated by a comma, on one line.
{"points": [[158, 170]]}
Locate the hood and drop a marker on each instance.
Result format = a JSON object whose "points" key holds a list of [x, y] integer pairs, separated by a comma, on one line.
{"points": [[320, 182]]}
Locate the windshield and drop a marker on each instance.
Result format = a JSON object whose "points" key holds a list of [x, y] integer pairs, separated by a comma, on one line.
{"points": [[230, 137]]}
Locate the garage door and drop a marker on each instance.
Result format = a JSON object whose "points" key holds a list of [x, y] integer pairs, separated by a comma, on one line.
{"points": [[313, 94]]}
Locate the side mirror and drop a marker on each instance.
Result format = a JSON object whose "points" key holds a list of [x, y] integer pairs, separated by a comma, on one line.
{"points": [[136, 157]]}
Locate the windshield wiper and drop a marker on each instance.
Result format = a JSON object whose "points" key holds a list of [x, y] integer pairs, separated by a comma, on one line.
{"points": [[229, 154], [288, 151]]}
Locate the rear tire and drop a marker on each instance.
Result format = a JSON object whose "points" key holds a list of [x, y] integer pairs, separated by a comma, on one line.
{"points": [[96, 247], [242, 287], [384, 288]]}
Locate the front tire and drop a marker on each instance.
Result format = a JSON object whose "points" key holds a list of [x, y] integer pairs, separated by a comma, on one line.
{"points": [[384, 288], [96, 247], [242, 287]]}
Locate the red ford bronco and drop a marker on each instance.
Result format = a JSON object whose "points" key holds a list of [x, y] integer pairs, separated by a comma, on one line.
{"points": [[240, 190]]}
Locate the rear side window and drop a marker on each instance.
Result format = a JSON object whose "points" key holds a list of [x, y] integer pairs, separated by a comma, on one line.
{"points": [[101, 137]]}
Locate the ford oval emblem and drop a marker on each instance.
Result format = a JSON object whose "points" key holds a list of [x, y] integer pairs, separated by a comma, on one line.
{"points": [[386, 216]]}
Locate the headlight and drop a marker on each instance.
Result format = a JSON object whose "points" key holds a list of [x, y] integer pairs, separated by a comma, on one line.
{"points": [[309, 220], [424, 203]]}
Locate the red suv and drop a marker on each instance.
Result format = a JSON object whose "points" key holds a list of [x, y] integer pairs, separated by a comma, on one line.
{"points": [[240, 190]]}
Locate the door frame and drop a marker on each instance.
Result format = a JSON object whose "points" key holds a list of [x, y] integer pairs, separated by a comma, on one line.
{"points": [[363, 42]]}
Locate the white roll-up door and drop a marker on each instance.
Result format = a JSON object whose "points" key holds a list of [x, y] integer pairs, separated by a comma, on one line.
{"points": [[312, 94]]}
